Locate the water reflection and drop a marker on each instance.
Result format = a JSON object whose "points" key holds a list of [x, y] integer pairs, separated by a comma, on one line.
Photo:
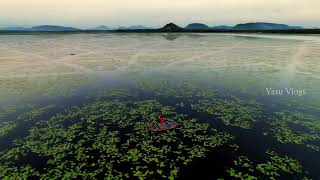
{"points": [[39, 63], [172, 36]]}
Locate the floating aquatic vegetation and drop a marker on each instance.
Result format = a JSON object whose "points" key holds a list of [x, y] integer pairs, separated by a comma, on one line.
{"points": [[235, 147], [279, 164], [275, 167], [7, 121], [5, 127], [233, 112], [32, 115], [35, 113], [296, 128], [108, 140], [6, 110]]}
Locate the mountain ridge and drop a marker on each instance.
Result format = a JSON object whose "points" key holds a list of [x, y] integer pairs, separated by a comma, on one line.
{"points": [[197, 26], [171, 27], [41, 28], [264, 26]]}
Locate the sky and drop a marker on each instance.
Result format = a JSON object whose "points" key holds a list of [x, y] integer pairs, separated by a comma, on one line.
{"points": [[155, 13]]}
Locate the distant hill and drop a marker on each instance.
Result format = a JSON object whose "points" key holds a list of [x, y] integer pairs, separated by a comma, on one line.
{"points": [[200, 26], [122, 27], [102, 27], [14, 29], [197, 26], [134, 27], [171, 28], [264, 26], [41, 28], [53, 28], [138, 27], [222, 27]]}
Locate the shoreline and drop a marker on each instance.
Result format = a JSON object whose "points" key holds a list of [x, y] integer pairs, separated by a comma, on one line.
{"points": [[151, 31]]}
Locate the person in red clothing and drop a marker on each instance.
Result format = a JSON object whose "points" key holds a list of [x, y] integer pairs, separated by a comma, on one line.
{"points": [[161, 120]]}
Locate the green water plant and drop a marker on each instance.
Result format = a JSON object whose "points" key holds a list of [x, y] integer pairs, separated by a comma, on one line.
{"points": [[5, 127], [234, 112], [296, 128], [274, 167], [108, 140], [6, 110]]}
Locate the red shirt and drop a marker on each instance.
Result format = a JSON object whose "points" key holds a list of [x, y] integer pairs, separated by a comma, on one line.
{"points": [[161, 119]]}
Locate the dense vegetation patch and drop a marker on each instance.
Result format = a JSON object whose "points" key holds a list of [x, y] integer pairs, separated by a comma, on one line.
{"points": [[108, 139], [273, 168], [296, 128], [232, 112], [5, 127], [7, 110]]}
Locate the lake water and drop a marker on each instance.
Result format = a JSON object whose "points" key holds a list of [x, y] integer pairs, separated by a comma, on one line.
{"points": [[76, 105]]}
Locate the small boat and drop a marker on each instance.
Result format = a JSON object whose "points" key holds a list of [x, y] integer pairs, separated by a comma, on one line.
{"points": [[162, 127]]}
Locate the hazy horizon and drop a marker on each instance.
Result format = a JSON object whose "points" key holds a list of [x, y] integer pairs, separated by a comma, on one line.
{"points": [[155, 13]]}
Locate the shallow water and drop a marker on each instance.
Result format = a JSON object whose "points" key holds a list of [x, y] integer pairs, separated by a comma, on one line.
{"points": [[219, 80]]}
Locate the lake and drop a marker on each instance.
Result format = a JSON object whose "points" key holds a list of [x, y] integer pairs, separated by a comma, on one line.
{"points": [[77, 106]]}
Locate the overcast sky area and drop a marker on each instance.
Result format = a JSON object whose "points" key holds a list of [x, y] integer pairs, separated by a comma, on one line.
{"points": [[155, 13]]}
